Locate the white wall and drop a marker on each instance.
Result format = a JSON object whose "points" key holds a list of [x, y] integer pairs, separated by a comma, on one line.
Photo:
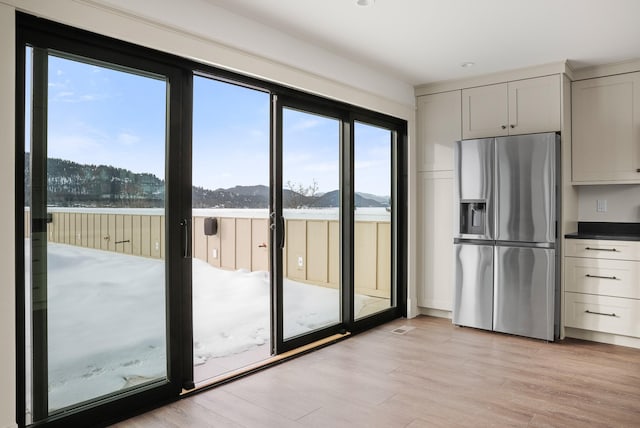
{"points": [[623, 203], [204, 19], [346, 81], [198, 30], [7, 261]]}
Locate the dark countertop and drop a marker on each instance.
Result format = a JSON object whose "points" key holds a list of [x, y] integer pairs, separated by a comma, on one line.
{"points": [[608, 231]]}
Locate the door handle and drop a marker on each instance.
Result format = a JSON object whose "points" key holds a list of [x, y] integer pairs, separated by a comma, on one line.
{"points": [[186, 230], [601, 249], [612, 314], [599, 276], [283, 239]]}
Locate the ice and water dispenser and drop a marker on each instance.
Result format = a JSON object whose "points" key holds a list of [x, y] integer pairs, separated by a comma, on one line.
{"points": [[473, 217]]}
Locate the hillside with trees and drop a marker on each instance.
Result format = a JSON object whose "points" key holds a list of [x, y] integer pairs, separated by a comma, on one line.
{"points": [[70, 184]]}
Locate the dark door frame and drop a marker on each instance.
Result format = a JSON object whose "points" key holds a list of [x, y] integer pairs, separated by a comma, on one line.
{"points": [[45, 37], [40, 33]]}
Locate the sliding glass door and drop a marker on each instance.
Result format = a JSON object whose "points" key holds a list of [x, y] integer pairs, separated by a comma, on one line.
{"points": [[334, 221], [372, 211], [230, 217], [99, 322], [180, 225], [311, 285]]}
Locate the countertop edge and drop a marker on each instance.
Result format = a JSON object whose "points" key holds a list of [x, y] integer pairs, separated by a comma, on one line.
{"points": [[602, 237]]}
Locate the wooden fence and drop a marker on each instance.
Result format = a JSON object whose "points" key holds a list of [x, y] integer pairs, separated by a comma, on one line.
{"points": [[311, 252]]}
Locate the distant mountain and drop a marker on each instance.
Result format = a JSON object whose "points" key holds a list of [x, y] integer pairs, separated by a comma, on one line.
{"points": [[70, 184], [235, 197], [384, 200], [331, 199]]}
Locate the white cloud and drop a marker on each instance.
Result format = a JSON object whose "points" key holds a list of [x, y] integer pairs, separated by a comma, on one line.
{"points": [[322, 166], [302, 125], [66, 146], [295, 158], [366, 164], [63, 95], [127, 138]]}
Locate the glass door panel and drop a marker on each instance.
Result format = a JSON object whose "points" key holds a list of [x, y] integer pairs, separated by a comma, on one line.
{"points": [[95, 271], [372, 220], [311, 212], [230, 218]]}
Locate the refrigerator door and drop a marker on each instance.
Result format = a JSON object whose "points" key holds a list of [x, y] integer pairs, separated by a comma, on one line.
{"points": [[524, 292], [474, 206], [526, 188], [473, 300]]}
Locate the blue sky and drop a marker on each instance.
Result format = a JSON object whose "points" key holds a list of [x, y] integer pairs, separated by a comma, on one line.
{"points": [[99, 115], [310, 150]]}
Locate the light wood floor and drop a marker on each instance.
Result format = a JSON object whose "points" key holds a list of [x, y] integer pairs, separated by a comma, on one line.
{"points": [[434, 375]]}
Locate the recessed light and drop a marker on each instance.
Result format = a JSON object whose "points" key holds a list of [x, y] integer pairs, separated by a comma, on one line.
{"points": [[365, 2], [467, 64]]}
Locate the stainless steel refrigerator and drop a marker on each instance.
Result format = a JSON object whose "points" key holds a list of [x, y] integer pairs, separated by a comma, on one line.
{"points": [[506, 260]]}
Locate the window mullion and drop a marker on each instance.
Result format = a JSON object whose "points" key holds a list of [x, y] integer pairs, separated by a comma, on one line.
{"points": [[39, 363]]}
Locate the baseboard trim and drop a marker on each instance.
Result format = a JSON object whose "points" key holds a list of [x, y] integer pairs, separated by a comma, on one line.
{"points": [[597, 336], [439, 313]]}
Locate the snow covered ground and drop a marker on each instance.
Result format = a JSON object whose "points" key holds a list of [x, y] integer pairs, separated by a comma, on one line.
{"points": [[106, 315]]}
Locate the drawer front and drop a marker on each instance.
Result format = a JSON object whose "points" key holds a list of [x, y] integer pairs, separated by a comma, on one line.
{"points": [[617, 278], [599, 249], [601, 313]]}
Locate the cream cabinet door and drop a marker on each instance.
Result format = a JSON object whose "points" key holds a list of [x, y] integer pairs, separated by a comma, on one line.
{"points": [[534, 105], [435, 240], [605, 122], [602, 249], [439, 126], [485, 111], [602, 313]]}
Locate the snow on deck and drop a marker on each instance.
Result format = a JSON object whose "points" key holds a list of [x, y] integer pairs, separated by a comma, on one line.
{"points": [[106, 314]]}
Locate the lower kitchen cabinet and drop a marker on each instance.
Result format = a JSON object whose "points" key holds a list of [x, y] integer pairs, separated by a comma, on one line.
{"points": [[606, 277], [435, 240], [602, 286], [604, 314]]}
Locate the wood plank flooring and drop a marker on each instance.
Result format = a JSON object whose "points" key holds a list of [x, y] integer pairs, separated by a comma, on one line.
{"points": [[435, 375]]}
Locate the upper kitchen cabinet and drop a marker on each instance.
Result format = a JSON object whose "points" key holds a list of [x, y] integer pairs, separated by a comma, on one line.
{"points": [[485, 111], [439, 125], [534, 105], [606, 135], [519, 107]]}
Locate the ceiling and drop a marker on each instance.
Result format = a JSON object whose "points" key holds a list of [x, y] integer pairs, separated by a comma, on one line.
{"points": [[424, 41]]}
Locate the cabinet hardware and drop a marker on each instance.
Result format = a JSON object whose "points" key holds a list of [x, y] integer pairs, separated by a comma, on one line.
{"points": [[513, 126], [638, 170], [600, 313], [601, 249], [599, 276], [504, 126]]}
